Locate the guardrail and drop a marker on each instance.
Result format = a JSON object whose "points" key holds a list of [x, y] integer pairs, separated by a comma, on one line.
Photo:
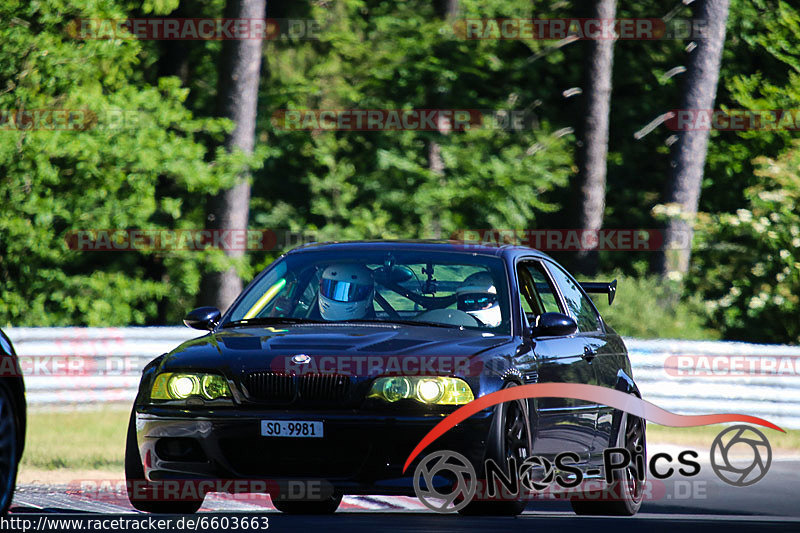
{"points": [[694, 377], [99, 365]]}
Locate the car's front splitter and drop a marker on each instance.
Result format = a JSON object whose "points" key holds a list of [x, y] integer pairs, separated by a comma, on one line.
{"points": [[359, 453]]}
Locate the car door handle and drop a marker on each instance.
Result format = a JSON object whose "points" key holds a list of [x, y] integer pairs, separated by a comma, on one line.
{"points": [[589, 353]]}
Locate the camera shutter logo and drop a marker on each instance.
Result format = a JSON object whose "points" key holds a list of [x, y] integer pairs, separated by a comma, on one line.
{"points": [[729, 469], [536, 473], [450, 466]]}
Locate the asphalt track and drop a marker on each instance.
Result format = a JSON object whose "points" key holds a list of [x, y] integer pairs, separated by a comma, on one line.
{"points": [[700, 503]]}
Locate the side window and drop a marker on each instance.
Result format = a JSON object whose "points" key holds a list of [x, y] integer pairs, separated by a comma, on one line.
{"points": [[579, 304], [536, 292]]}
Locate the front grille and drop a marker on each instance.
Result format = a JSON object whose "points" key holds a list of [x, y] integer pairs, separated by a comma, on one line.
{"points": [[324, 388], [270, 387], [274, 387]]}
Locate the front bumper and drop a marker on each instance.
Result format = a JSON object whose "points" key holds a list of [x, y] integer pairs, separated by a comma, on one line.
{"points": [[361, 452]]}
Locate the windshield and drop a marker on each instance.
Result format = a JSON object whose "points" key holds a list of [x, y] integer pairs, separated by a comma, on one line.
{"points": [[446, 289]]}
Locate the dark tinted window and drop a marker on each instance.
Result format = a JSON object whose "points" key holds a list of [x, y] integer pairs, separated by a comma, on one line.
{"points": [[580, 306], [456, 289], [536, 292]]}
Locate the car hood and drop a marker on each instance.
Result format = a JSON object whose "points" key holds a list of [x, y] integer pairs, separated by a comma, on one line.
{"points": [[249, 349]]}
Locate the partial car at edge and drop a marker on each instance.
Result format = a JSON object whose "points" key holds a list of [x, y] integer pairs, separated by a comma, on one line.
{"points": [[12, 421]]}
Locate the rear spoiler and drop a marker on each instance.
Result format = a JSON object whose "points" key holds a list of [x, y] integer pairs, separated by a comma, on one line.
{"points": [[609, 288]]}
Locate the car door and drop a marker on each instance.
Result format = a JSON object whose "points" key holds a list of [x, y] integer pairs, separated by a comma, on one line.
{"points": [[562, 424], [599, 354]]}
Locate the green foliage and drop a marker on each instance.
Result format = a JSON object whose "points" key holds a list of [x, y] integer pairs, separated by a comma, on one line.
{"points": [[647, 307], [157, 168], [759, 72], [384, 55], [137, 163], [746, 264], [746, 260], [639, 166], [156, 171]]}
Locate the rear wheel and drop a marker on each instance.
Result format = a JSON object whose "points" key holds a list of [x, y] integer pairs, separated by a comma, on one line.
{"points": [[325, 506], [8, 448], [510, 437], [143, 494], [627, 491]]}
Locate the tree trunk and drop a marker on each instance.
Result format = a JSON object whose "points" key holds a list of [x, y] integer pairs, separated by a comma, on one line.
{"points": [[239, 70], [446, 9], [593, 153], [436, 166], [689, 157]]}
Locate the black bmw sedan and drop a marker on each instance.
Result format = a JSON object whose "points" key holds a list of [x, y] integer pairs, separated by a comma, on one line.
{"points": [[12, 421], [338, 358]]}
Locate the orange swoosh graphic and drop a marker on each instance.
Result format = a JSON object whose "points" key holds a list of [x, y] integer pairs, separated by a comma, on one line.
{"points": [[579, 391]]}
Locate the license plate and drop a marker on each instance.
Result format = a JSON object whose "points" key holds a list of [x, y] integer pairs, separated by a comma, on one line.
{"points": [[291, 428]]}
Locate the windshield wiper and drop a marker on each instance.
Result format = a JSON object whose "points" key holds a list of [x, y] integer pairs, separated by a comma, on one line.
{"points": [[268, 320], [402, 321]]}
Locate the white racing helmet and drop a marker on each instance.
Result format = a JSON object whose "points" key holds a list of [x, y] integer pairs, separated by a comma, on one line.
{"points": [[345, 292], [477, 296]]}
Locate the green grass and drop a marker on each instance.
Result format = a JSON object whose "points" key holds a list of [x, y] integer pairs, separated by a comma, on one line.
{"points": [[81, 440], [647, 308], [703, 436]]}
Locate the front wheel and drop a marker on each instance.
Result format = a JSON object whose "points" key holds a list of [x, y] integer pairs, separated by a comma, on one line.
{"points": [[143, 494], [626, 490], [510, 437]]}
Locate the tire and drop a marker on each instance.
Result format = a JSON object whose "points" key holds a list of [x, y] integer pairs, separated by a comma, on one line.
{"points": [[509, 436], [630, 433], [141, 491], [311, 507], [9, 451]]}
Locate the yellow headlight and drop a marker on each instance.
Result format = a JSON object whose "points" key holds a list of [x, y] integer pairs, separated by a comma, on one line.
{"points": [[214, 386], [429, 390], [180, 386], [439, 390], [396, 389]]}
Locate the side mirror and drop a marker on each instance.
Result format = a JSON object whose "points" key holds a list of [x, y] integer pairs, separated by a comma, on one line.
{"points": [[205, 318], [553, 325]]}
